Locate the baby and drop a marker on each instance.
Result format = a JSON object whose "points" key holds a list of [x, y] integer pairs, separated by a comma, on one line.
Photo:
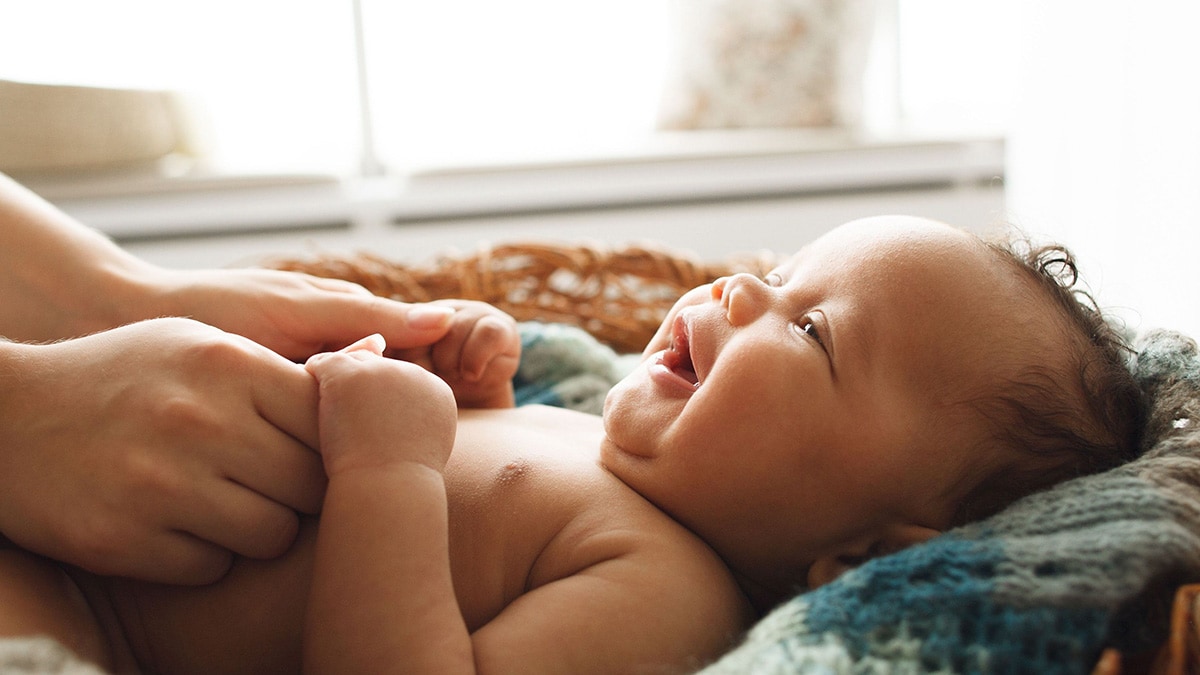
{"points": [[893, 379]]}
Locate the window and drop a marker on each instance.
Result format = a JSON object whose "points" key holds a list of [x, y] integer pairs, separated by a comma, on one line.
{"points": [[275, 77], [475, 80], [457, 80]]}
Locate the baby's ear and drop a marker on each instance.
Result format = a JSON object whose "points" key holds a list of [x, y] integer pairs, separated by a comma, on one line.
{"points": [[896, 537]]}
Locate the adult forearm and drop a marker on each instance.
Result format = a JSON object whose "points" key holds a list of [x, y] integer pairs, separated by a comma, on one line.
{"points": [[59, 278], [382, 591]]}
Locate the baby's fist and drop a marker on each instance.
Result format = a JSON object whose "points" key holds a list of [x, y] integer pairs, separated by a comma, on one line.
{"points": [[375, 411]]}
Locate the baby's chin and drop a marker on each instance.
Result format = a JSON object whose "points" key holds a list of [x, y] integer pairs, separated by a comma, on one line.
{"points": [[625, 383], [621, 406], [610, 400]]}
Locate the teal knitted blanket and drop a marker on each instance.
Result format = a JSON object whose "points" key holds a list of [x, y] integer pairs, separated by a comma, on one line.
{"points": [[1042, 587], [566, 367]]}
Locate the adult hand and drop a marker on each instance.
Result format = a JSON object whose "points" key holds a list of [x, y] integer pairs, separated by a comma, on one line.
{"points": [[295, 314], [156, 450]]}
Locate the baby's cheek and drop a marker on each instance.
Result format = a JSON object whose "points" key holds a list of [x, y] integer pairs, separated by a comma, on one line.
{"points": [[697, 295]]}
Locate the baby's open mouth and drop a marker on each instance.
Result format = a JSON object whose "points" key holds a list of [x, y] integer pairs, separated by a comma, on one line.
{"points": [[678, 358]]}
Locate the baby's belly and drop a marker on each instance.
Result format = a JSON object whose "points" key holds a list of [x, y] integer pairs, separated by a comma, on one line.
{"points": [[252, 620]]}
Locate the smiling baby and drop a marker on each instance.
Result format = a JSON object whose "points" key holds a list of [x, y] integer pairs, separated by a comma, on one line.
{"points": [[893, 379]]}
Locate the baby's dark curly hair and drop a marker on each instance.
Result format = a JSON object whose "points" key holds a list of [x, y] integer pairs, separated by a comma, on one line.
{"points": [[1083, 415]]}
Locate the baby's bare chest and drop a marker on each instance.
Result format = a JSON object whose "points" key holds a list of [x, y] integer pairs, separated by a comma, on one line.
{"points": [[514, 490]]}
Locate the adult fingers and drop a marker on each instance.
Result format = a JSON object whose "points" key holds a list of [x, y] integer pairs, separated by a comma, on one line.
{"points": [[279, 467], [279, 455], [172, 557], [401, 324], [241, 520], [337, 285], [285, 395]]}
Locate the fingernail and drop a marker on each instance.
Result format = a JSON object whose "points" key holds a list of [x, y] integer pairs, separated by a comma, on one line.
{"points": [[429, 316]]}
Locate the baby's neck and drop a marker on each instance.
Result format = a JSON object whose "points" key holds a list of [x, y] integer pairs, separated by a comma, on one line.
{"points": [[765, 597]]}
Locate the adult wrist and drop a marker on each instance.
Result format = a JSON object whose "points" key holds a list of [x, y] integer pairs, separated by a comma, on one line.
{"points": [[132, 291], [58, 278], [108, 294]]}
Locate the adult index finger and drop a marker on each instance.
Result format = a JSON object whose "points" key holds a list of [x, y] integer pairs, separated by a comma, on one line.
{"points": [[401, 324]]}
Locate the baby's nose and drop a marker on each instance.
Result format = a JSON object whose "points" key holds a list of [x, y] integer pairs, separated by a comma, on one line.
{"points": [[743, 296], [717, 288]]}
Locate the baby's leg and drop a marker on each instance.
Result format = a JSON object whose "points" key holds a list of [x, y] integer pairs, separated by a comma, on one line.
{"points": [[37, 597]]}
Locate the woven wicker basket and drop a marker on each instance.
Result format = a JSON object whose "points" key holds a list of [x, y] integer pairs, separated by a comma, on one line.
{"points": [[619, 295]]}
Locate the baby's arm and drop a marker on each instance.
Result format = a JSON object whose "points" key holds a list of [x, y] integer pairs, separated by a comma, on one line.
{"points": [[381, 595], [638, 599], [477, 357]]}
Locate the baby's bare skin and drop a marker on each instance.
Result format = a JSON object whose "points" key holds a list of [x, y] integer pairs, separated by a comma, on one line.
{"points": [[794, 423], [529, 504]]}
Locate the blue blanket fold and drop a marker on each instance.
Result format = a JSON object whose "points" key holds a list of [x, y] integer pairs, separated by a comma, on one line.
{"points": [[564, 366]]}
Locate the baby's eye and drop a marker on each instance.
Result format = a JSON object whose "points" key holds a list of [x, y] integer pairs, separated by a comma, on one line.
{"points": [[807, 327]]}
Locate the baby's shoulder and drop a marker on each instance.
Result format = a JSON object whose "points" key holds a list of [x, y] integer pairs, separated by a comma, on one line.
{"points": [[622, 536], [650, 590]]}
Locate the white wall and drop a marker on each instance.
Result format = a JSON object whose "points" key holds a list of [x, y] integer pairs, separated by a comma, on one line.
{"points": [[1104, 151]]}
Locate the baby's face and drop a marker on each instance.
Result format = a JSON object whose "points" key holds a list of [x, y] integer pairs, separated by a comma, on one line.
{"points": [[793, 417]]}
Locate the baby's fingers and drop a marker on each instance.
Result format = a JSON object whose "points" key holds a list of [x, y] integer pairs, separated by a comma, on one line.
{"points": [[491, 338], [323, 364], [375, 344]]}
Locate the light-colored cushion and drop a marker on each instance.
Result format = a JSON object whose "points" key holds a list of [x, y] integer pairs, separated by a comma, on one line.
{"points": [[57, 127]]}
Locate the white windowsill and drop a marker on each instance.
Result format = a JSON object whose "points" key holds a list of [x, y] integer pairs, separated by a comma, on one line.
{"points": [[671, 169]]}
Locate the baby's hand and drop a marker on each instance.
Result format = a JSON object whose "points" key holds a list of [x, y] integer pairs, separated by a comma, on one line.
{"points": [[374, 412], [477, 357]]}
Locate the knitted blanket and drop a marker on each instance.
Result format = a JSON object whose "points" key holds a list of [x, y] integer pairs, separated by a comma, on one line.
{"points": [[566, 367], [1042, 587]]}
